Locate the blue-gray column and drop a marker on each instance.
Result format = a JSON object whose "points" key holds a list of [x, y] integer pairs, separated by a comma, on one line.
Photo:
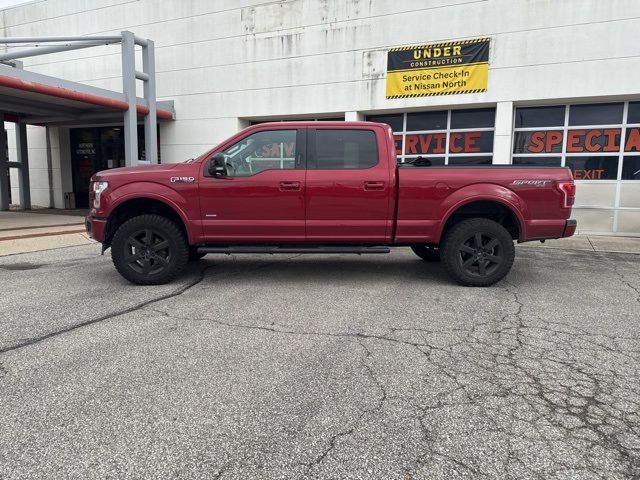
{"points": [[129, 90], [150, 120], [23, 172], [4, 167]]}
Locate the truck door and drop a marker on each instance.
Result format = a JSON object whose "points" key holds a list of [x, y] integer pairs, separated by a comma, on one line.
{"points": [[261, 197], [348, 186]]}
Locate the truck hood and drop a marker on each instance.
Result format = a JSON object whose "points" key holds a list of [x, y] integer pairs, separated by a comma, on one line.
{"points": [[134, 173]]}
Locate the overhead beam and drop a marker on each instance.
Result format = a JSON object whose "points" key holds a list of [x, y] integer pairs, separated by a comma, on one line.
{"points": [[33, 52], [31, 109], [108, 38]]}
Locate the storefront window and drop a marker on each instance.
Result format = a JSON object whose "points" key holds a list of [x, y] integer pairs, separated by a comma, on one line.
{"points": [[631, 168], [590, 139], [540, 117], [538, 161], [596, 114], [394, 120], [634, 112], [593, 167], [453, 137]]}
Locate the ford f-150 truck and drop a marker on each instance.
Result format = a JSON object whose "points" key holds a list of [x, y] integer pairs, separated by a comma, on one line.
{"points": [[324, 187]]}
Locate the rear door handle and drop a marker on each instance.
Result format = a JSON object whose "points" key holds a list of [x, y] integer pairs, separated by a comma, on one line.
{"points": [[374, 185], [289, 185]]}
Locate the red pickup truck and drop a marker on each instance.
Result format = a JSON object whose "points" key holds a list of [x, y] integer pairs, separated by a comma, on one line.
{"points": [[324, 187]]}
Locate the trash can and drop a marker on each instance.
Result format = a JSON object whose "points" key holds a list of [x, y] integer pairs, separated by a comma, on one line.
{"points": [[69, 200]]}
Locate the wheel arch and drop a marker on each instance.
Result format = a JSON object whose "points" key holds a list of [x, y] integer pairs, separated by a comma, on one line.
{"points": [[132, 206], [497, 209]]}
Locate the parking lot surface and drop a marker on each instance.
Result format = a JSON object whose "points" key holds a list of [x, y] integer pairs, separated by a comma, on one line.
{"points": [[320, 367]]}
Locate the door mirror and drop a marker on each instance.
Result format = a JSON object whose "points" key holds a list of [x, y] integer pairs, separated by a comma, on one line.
{"points": [[217, 167]]}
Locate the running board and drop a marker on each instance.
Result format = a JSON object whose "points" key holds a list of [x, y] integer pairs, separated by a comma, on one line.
{"points": [[274, 249]]}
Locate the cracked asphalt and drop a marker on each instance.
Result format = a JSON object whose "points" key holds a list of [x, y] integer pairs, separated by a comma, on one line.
{"points": [[320, 367]]}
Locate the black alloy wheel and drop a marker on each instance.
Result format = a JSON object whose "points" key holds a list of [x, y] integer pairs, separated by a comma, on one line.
{"points": [[149, 250], [481, 254], [477, 252]]}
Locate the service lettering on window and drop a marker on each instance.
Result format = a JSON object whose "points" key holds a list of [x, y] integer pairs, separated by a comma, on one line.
{"points": [[459, 142], [277, 150]]}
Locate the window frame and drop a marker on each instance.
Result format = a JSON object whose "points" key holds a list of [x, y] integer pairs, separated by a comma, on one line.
{"points": [[563, 154], [312, 161], [300, 158]]}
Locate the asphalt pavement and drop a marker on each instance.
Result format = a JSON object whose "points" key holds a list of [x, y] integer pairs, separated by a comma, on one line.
{"points": [[320, 367]]}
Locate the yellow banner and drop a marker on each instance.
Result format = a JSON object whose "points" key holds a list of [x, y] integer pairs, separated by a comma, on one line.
{"points": [[438, 69]]}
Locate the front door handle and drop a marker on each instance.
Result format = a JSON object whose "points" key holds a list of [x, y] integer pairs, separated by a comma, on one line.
{"points": [[374, 185], [289, 185]]}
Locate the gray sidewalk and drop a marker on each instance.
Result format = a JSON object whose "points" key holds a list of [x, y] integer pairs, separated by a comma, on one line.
{"points": [[593, 243]]}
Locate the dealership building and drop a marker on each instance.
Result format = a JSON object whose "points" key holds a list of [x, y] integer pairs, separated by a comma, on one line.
{"points": [[543, 82]]}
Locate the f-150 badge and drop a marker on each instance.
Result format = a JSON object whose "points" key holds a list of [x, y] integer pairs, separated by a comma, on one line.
{"points": [[182, 179]]}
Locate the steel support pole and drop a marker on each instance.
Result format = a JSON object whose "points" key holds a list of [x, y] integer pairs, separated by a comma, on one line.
{"points": [[129, 90], [33, 52], [151, 119], [4, 167], [23, 172]]}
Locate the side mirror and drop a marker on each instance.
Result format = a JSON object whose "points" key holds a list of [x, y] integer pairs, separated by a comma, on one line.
{"points": [[217, 167]]}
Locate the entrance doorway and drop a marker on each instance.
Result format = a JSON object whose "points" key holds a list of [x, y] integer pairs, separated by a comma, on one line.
{"points": [[95, 149]]}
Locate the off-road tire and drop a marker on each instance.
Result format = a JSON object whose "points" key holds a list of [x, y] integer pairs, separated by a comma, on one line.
{"points": [[149, 250], [476, 265], [428, 253]]}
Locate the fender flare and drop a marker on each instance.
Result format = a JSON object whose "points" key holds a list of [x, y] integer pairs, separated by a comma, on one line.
{"points": [[151, 191], [484, 192]]}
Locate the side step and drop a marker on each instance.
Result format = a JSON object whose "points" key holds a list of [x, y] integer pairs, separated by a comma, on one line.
{"points": [[275, 249]]}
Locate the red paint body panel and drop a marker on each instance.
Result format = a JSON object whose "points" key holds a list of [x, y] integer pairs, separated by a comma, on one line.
{"points": [[382, 205], [352, 206]]}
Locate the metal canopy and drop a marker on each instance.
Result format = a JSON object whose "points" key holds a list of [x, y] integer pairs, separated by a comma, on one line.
{"points": [[32, 98]]}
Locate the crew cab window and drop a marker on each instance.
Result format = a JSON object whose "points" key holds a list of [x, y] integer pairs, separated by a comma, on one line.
{"points": [[267, 150], [344, 149]]}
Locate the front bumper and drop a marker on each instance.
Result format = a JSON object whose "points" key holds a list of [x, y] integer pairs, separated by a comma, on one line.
{"points": [[95, 227]]}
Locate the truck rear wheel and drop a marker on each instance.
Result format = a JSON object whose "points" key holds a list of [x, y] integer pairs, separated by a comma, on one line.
{"points": [[149, 250], [428, 253], [477, 252]]}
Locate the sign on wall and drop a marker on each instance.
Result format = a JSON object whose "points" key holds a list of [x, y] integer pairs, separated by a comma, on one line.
{"points": [[438, 69]]}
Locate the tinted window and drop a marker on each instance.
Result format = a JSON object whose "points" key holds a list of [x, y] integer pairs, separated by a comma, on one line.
{"points": [[394, 121], [538, 161], [632, 140], [634, 112], [426, 121], [593, 167], [469, 160], [339, 149], [425, 143], [268, 150], [540, 117], [596, 114], [631, 168], [471, 142], [540, 141], [476, 118]]}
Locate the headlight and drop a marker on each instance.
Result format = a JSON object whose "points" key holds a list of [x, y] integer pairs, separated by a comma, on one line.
{"points": [[98, 188]]}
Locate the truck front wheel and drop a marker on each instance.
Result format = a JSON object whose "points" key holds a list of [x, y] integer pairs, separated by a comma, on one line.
{"points": [[149, 250], [477, 252]]}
